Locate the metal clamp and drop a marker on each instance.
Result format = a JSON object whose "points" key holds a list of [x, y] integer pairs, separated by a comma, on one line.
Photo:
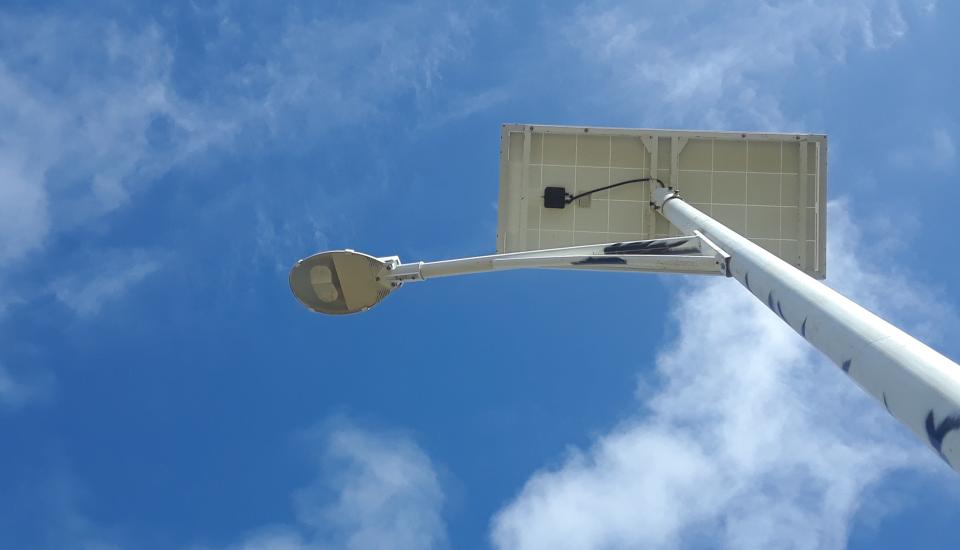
{"points": [[661, 195]]}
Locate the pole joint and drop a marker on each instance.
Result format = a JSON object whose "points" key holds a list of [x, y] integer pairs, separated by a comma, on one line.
{"points": [[398, 273], [661, 195]]}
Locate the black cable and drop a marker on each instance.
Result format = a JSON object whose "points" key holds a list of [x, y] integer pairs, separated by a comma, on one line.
{"points": [[612, 185]]}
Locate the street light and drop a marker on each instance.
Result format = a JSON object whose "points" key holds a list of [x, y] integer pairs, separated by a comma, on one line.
{"points": [[610, 199]]}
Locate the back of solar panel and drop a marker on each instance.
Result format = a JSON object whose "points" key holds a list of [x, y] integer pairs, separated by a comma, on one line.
{"points": [[769, 187]]}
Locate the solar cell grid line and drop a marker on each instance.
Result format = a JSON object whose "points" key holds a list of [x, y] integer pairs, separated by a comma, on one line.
{"points": [[610, 177], [525, 186], [576, 153], [746, 190], [780, 203], [539, 209]]}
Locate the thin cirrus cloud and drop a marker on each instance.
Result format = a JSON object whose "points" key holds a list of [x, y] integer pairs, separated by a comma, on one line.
{"points": [[339, 71], [93, 119], [752, 440], [85, 141], [94, 111], [688, 64], [85, 292], [93, 115]]}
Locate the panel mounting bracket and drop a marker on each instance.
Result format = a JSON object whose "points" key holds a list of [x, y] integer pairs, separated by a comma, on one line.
{"points": [[720, 255], [651, 143]]}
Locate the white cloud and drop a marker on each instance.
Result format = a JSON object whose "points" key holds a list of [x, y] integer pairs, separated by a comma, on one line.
{"points": [[85, 290], [752, 440], [860, 269], [700, 62], [385, 494], [373, 489]]}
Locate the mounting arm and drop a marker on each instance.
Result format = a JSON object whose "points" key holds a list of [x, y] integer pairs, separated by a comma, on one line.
{"points": [[345, 281], [693, 254]]}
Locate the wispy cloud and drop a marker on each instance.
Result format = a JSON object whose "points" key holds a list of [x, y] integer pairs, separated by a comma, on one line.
{"points": [[86, 289], [752, 439], [375, 490], [464, 107], [859, 250], [94, 111], [331, 70], [714, 65], [90, 116]]}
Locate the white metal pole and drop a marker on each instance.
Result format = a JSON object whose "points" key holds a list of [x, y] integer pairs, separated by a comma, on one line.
{"points": [[917, 385]]}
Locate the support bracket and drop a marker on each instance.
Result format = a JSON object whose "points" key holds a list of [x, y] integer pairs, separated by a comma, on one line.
{"points": [[720, 255], [693, 254]]}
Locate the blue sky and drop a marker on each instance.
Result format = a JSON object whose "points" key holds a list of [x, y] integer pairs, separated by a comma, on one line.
{"points": [[162, 166]]}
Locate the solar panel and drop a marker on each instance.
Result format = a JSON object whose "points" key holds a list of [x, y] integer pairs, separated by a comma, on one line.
{"points": [[771, 188]]}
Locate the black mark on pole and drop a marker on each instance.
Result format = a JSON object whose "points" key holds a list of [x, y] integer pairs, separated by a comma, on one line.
{"points": [[846, 365], [936, 433], [593, 260], [647, 247], [776, 309]]}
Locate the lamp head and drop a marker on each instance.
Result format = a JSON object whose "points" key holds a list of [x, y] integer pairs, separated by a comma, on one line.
{"points": [[339, 282]]}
